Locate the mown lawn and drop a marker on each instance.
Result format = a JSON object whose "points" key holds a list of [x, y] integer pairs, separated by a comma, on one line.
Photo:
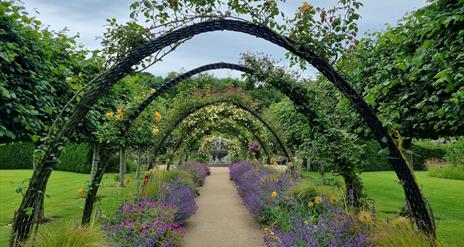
{"points": [[445, 195], [64, 204]]}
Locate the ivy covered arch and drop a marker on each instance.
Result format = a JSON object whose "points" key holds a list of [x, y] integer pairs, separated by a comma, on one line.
{"points": [[23, 221]]}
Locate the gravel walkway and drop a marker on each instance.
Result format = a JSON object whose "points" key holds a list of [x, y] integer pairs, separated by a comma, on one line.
{"points": [[221, 218]]}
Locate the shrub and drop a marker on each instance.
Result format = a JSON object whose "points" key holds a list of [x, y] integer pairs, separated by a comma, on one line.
{"points": [[173, 187], [258, 187], [69, 235], [333, 227], [375, 161], [421, 151], [158, 180], [306, 192], [455, 152], [114, 164], [16, 155], [199, 172], [144, 223], [75, 158], [440, 169], [182, 198]]}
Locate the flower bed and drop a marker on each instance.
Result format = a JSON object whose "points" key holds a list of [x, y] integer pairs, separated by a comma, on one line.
{"points": [[144, 223], [293, 223], [168, 201], [199, 171]]}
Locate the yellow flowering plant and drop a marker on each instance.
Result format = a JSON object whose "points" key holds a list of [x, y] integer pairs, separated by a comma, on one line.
{"points": [[157, 117]]}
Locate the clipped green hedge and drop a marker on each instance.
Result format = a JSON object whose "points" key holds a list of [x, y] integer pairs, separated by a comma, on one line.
{"points": [[16, 155], [114, 163], [421, 151], [372, 159], [74, 158]]}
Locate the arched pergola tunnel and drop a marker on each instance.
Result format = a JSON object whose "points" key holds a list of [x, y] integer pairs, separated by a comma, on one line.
{"points": [[245, 109], [225, 126], [23, 221], [186, 135], [107, 150], [189, 112], [249, 126]]}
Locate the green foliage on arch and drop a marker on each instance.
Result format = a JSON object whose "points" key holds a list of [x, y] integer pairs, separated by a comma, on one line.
{"points": [[413, 73]]}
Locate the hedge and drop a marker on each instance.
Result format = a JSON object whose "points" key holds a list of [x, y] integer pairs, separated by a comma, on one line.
{"points": [[16, 155], [421, 151], [74, 158]]}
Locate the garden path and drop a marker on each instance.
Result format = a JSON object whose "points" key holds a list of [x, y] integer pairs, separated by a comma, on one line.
{"points": [[221, 218]]}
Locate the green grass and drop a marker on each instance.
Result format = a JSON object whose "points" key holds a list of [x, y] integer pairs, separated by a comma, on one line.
{"points": [[446, 197], [64, 203]]}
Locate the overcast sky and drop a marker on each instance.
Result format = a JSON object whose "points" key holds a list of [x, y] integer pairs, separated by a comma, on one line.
{"points": [[87, 17]]}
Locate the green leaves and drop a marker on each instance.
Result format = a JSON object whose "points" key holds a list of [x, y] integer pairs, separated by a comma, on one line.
{"points": [[33, 85], [28, 211], [413, 71]]}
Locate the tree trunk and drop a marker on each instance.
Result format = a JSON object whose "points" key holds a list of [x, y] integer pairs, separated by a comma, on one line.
{"points": [[139, 163], [122, 166], [91, 197], [40, 217], [95, 159], [354, 188]]}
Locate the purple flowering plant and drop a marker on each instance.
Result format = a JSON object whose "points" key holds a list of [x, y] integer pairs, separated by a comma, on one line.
{"points": [[292, 223], [144, 223], [199, 171], [182, 198]]}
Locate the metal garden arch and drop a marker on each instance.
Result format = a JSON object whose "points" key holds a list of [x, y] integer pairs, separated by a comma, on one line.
{"points": [[22, 224]]}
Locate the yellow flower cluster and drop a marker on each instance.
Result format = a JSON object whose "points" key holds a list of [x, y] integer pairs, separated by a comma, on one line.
{"points": [[318, 199], [154, 130], [274, 194], [364, 216], [82, 192], [157, 117], [333, 199], [109, 114], [305, 7], [152, 90], [120, 113]]}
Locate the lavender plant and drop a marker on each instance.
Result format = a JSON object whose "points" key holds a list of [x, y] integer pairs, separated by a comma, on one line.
{"points": [[182, 198], [144, 223], [199, 171]]}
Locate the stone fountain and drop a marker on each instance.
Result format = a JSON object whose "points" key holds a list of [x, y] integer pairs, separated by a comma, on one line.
{"points": [[218, 153]]}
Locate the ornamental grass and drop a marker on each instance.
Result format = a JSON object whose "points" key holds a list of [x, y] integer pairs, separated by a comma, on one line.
{"points": [[69, 235]]}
